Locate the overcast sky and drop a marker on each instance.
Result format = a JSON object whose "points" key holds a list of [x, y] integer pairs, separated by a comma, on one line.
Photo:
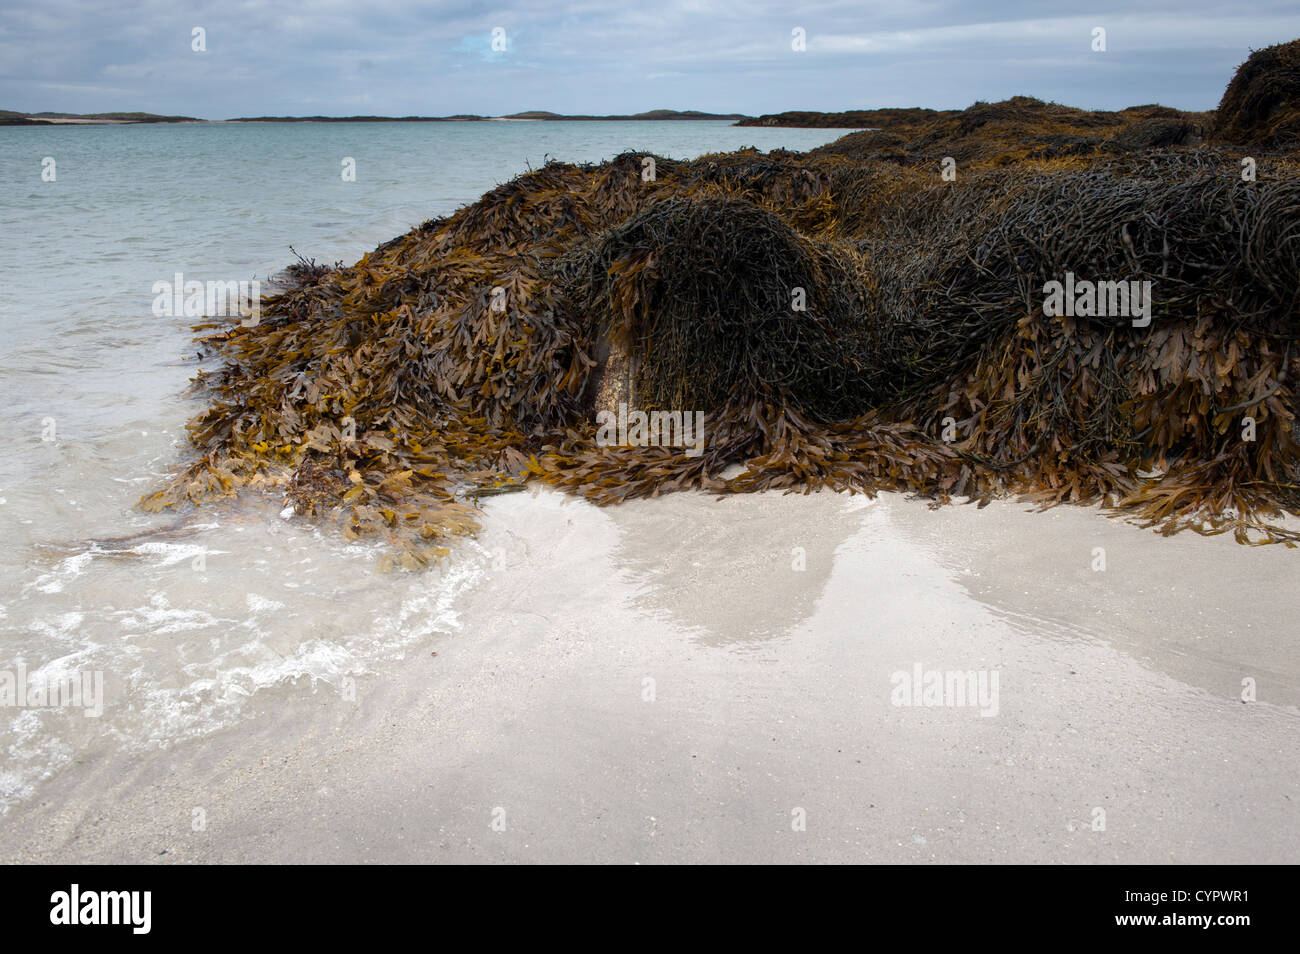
{"points": [[402, 57]]}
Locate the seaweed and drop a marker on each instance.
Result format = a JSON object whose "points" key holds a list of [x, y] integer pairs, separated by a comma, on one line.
{"points": [[844, 319], [1261, 106]]}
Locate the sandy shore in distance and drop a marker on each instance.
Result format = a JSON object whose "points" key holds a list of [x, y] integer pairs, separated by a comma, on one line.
{"points": [[1118, 690]]}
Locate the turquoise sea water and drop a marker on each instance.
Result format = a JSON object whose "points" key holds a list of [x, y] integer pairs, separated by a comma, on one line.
{"points": [[190, 624]]}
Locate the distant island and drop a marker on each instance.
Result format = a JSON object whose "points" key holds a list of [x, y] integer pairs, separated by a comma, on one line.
{"points": [[10, 117], [538, 115], [850, 119]]}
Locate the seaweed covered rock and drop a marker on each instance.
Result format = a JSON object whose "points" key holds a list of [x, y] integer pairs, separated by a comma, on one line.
{"points": [[1078, 406], [1016, 130], [721, 297], [1261, 106], [1157, 132], [838, 319]]}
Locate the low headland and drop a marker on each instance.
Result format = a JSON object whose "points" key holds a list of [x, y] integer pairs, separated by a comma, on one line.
{"points": [[9, 117]]}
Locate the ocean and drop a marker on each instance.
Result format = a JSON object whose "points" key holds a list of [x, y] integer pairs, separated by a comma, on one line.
{"points": [[168, 628]]}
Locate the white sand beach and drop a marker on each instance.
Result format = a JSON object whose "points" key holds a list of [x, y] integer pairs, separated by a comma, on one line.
{"points": [[655, 683]]}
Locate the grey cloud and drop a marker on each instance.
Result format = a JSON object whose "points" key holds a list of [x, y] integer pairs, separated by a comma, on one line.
{"points": [[593, 57]]}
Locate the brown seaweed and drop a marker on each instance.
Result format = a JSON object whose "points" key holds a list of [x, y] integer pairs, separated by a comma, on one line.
{"points": [[465, 358]]}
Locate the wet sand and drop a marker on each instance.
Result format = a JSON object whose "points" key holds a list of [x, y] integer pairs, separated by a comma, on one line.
{"points": [[657, 683]]}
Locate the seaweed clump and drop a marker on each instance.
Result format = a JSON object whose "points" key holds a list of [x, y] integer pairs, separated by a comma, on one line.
{"points": [[717, 297], [840, 319], [1261, 105]]}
